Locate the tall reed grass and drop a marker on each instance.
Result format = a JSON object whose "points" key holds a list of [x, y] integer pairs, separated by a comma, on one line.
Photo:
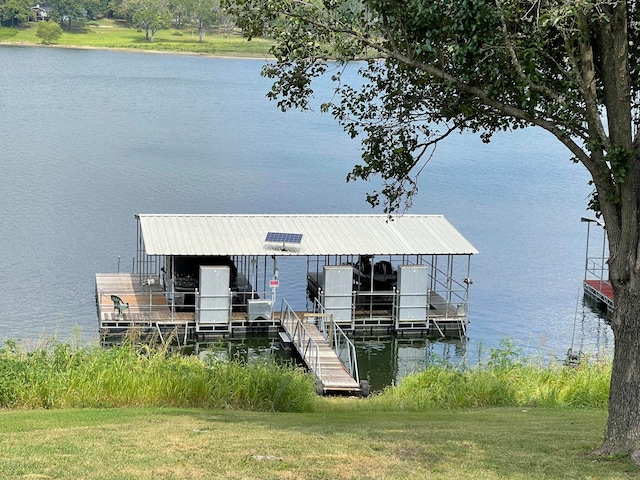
{"points": [[65, 375], [506, 378], [59, 375]]}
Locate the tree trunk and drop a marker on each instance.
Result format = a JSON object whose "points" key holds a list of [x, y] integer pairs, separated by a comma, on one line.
{"points": [[623, 424], [621, 207]]}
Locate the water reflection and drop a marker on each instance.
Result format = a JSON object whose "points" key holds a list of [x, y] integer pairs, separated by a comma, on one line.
{"points": [[250, 350], [592, 332], [386, 361]]}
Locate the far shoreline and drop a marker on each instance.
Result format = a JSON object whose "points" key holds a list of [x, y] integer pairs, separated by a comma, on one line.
{"points": [[139, 50]]}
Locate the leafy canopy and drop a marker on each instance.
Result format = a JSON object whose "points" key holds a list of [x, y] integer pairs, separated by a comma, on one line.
{"points": [[476, 65]]}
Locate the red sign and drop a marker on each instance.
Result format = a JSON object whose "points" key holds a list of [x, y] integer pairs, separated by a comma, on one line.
{"points": [[274, 283]]}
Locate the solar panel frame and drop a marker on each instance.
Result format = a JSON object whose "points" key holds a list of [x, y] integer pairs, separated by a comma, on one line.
{"points": [[280, 237]]}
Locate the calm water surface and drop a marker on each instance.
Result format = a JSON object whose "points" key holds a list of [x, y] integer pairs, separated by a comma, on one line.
{"points": [[90, 138]]}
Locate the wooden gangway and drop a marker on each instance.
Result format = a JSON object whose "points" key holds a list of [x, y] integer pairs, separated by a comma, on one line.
{"points": [[325, 350]]}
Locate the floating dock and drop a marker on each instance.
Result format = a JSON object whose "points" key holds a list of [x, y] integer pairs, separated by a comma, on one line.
{"points": [[143, 310], [597, 286], [195, 276]]}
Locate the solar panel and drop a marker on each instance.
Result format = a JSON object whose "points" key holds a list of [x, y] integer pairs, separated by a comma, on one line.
{"points": [[279, 237]]}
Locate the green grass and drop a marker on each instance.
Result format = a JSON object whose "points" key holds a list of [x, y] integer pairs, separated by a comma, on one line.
{"points": [[183, 417], [501, 443], [7, 33], [65, 375], [108, 33]]}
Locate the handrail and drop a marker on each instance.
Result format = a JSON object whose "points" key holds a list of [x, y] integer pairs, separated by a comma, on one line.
{"points": [[140, 305], [338, 340], [597, 268], [301, 338]]}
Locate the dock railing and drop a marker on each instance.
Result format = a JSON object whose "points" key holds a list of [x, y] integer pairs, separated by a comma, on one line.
{"points": [[374, 301], [597, 269], [340, 343], [301, 337]]}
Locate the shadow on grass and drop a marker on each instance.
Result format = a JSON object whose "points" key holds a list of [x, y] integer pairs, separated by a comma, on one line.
{"points": [[7, 33], [77, 29]]}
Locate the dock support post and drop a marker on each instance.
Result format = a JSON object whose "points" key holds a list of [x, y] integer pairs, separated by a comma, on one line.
{"points": [[331, 331]]}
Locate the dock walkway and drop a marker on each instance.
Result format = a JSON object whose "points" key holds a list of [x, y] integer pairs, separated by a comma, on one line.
{"points": [[319, 357]]}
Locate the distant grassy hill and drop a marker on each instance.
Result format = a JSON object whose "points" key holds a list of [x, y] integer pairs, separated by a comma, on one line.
{"points": [[108, 33]]}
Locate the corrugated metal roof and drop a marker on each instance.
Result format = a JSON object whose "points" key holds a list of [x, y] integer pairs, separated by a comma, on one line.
{"points": [[321, 235]]}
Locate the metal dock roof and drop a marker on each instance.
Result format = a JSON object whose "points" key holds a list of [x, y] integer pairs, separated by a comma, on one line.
{"points": [[189, 234]]}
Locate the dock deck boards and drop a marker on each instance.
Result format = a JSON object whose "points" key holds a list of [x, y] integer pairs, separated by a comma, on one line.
{"points": [[146, 302]]}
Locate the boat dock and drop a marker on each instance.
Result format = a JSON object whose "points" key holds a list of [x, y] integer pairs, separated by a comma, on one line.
{"points": [[597, 286], [145, 310], [140, 307], [195, 276]]}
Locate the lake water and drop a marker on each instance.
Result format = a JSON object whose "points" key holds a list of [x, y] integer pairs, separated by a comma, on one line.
{"points": [[90, 138]]}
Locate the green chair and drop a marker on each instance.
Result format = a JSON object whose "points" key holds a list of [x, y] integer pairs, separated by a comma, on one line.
{"points": [[119, 305]]}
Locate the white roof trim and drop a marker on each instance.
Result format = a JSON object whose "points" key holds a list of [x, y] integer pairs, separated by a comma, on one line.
{"points": [[321, 235]]}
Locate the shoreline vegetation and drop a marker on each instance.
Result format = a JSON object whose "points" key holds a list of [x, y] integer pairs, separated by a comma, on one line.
{"points": [[109, 34], [139, 410], [57, 374]]}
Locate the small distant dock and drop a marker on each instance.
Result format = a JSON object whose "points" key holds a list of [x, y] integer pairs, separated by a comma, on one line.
{"points": [[596, 276]]}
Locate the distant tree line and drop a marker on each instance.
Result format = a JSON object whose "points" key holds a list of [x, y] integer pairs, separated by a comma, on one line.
{"points": [[148, 15]]}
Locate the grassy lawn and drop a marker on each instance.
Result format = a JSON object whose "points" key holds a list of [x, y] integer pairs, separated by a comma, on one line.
{"points": [[108, 33], [340, 443]]}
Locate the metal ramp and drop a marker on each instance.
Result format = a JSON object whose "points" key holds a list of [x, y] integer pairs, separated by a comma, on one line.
{"points": [[325, 350]]}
